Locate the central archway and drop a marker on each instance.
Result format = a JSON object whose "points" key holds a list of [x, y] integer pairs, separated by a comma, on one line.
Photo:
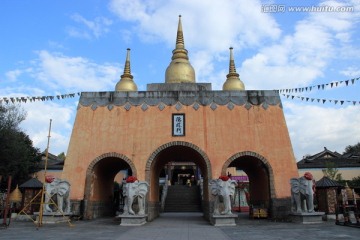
{"points": [[177, 151]]}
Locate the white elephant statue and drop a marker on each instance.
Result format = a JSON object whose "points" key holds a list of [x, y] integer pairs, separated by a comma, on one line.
{"points": [[135, 190], [57, 190], [223, 189], [302, 193]]}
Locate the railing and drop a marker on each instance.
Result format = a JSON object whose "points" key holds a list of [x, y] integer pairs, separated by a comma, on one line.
{"points": [[164, 194]]}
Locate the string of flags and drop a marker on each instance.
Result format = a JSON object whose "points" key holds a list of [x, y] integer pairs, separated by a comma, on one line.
{"points": [[321, 100], [283, 91], [34, 99], [320, 86]]}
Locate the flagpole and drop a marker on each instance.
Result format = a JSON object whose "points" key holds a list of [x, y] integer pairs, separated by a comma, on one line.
{"points": [[43, 189]]}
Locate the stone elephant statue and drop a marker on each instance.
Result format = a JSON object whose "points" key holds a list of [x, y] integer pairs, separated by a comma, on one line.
{"points": [[302, 193], [223, 189], [135, 190], [59, 191]]}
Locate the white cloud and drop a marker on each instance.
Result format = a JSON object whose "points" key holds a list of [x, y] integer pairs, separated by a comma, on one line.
{"points": [[12, 75], [314, 127], [351, 71], [75, 73], [95, 28], [37, 124], [301, 57], [223, 23]]}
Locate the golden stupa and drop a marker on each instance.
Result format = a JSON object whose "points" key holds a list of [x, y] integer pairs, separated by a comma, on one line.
{"points": [[126, 82], [15, 196], [233, 81], [180, 69]]}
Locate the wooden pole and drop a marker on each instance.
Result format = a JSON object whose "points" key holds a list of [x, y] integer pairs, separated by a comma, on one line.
{"points": [[43, 189], [7, 201]]}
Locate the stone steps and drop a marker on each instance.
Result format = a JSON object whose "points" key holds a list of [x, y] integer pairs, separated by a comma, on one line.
{"points": [[182, 198]]}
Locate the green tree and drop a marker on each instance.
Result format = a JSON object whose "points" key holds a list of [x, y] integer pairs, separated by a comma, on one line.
{"points": [[61, 156], [355, 182], [18, 157], [332, 172], [352, 148]]}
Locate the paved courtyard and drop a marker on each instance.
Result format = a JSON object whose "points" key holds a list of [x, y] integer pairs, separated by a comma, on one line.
{"points": [[176, 226]]}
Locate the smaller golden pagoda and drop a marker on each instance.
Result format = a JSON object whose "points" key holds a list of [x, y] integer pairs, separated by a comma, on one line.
{"points": [[15, 196], [233, 81], [126, 82]]}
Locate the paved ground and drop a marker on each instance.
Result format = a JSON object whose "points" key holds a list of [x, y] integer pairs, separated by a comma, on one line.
{"points": [[180, 226]]}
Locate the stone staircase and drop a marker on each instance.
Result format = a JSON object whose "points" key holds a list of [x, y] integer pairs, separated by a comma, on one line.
{"points": [[181, 198]]}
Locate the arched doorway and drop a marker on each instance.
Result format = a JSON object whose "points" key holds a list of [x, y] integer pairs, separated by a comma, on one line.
{"points": [[99, 198], [260, 175], [176, 152]]}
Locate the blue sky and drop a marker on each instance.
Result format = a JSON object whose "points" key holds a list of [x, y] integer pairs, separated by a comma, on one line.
{"points": [[51, 48]]}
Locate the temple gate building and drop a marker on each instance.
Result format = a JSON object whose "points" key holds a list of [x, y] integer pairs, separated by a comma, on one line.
{"points": [[179, 125]]}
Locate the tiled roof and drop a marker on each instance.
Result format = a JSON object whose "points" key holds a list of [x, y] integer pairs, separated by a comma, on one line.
{"points": [[32, 183], [323, 163], [53, 162], [326, 182], [326, 157]]}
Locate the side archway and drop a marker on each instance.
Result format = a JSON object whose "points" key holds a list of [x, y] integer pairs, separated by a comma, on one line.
{"points": [[99, 183], [260, 174]]}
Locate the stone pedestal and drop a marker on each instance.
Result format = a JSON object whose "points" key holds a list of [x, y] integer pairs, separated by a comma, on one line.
{"points": [[307, 218], [132, 220], [223, 220], [51, 218]]}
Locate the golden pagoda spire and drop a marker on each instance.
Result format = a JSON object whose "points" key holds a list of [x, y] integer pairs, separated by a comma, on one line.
{"points": [[233, 81], [180, 69], [126, 82]]}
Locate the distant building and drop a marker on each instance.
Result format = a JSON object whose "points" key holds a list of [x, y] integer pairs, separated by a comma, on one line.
{"points": [[54, 166], [346, 164]]}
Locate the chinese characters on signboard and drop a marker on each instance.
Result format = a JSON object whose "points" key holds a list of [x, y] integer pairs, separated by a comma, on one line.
{"points": [[178, 124]]}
